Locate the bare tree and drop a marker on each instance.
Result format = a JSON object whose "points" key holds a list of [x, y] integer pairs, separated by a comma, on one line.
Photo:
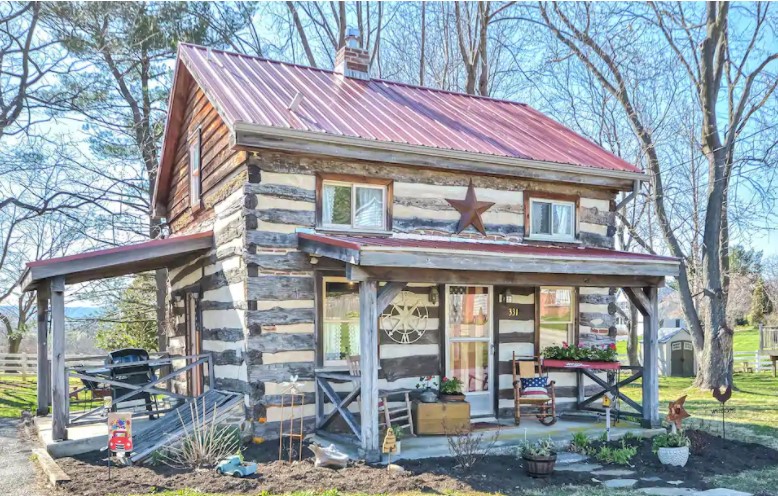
{"points": [[705, 48]]}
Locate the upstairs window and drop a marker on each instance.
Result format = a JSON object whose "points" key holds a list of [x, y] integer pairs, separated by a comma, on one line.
{"points": [[552, 219], [353, 205], [195, 175]]}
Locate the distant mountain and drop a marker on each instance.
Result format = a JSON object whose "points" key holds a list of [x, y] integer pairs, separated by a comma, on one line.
{"points": [[70, 312]]}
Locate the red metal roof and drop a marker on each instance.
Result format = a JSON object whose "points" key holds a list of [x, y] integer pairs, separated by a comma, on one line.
{"points": [[545, 251], [251, 90], [121, 249]]}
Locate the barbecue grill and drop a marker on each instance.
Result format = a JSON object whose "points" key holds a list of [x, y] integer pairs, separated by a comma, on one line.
{"points": [[129, 373]]}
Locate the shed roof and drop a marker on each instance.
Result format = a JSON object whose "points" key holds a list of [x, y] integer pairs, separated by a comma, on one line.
{"points": [[118, 261], [252, 91]]}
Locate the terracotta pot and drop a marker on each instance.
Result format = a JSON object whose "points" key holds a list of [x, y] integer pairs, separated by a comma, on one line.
{"points": [[539, 466], [452, 398]]}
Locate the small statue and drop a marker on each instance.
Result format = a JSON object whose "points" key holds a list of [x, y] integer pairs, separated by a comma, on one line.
{"points": [[329, 456]]}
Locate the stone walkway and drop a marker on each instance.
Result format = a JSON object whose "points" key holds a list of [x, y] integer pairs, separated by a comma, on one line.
{"points": [[18, 476], [621, 478]]}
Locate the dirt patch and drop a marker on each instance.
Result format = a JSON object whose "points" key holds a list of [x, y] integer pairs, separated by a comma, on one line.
{"points": [[503, 474]]}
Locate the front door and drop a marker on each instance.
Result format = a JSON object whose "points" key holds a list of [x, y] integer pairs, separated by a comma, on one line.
{"points": [[469, 344]]}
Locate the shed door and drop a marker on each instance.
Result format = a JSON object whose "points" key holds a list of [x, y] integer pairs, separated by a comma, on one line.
{"points": [[682, 359]]}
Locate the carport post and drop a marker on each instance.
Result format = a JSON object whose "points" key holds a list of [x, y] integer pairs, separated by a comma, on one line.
{"points": [[44, 375], [59, 385]]}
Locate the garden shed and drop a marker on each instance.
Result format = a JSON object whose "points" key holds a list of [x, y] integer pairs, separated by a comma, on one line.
{"points": [[676, 353]]}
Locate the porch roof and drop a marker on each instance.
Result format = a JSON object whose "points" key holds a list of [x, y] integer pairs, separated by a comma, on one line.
{"points": [[484, 255], [118, 261]]}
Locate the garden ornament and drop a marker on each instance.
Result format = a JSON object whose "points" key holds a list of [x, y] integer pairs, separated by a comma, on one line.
{"points": [[722, 398], [328, 457], [470, 210], [235, 467], [677, 413], [390, 444]]}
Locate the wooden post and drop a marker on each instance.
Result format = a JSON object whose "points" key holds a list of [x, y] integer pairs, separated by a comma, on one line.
{"points": [[59, 385], [44, 374], [650, 359], [368, 360]]}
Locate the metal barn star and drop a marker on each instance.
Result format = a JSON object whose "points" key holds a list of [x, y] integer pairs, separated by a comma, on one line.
{"points": [[470, 209], [677, 412]]}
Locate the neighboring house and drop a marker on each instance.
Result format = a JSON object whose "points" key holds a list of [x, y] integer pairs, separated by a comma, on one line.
{"points": [[428, 232]]}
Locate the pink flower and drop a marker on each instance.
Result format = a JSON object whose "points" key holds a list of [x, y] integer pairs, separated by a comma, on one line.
{"points": [[565, 345], [613, 346]]}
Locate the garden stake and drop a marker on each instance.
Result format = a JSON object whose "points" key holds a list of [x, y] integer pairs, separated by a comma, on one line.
{"points": [[606, 403], [722, 397]]}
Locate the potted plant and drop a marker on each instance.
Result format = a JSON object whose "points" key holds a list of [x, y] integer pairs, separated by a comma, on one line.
{"points": [[398, 435], [672, 448], [539, 457], [602, 357], [451, 390], [427, 395]]}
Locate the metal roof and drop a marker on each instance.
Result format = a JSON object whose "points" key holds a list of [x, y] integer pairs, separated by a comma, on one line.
{"points": [[117, 261], [251, 90]]}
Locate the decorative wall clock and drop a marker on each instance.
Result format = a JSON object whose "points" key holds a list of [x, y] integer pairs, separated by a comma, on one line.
{"points": [[405, 319]]}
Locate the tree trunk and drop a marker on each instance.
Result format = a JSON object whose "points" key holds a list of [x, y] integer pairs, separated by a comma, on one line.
{"points": [[632, 341], [14, 343]]}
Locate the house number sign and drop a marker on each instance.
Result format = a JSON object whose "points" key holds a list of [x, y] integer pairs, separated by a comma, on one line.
{"points": [[405, 319]]}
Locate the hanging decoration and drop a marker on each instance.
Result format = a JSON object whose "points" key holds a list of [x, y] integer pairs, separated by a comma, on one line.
{"points": [[470, 210], [405, 319]]}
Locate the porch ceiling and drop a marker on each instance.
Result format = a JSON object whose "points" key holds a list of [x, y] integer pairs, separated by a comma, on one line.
{"points": [[119, 261], [382, 257]]}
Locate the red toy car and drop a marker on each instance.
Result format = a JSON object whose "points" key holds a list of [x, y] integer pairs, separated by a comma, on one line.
{"points": [[120, 441]]}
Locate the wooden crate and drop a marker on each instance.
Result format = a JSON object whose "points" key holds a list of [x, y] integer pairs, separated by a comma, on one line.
{"points": [[437, 418]]}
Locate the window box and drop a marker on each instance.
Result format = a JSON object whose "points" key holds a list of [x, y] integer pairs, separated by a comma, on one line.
{"points": [[553, 363]]}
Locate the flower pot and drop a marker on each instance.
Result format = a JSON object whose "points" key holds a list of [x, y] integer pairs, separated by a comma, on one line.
{"points": [[452, 398], [428, 396], [676, 457], [539, 466]]}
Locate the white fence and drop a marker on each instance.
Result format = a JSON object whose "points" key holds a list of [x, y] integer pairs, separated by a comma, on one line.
{"points": [[748, 360], [19, 364]]}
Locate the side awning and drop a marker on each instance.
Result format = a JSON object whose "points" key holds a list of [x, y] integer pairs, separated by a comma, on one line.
{"points": [[119, 261], [385, 257]]}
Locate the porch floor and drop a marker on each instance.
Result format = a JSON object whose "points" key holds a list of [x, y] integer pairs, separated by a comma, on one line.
{"points": [[509, 436]]}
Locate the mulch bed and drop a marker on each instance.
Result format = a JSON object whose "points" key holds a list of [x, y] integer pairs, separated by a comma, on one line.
{"points": [[502, 473]]}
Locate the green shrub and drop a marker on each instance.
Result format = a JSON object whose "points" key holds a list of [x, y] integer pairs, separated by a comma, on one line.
{"points": [[580, 443], [671, 440], [618, 456], [541, 447]]}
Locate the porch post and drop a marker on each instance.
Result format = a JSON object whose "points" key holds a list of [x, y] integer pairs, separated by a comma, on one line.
{"points": [[59, 386], [44, 376], [368, 350], [650, 359]]}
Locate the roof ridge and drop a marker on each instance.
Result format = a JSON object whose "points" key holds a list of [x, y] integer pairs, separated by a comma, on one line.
{"points": [[379, 80]]}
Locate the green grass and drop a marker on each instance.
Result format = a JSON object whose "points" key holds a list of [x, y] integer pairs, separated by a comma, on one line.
{"points": [[16, 395], [746, 339]]}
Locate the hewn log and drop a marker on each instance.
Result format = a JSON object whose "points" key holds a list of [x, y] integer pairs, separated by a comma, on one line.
{"points": [[409, 366], [273, 342], [280, 372], [278, 316], [282, 191], [271, 240], [278, 288], [281, 216], [294, 261]]}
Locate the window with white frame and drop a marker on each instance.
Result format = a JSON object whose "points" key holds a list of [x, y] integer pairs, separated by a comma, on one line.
{"points": [[340, 320], [353, 205], [195, 173], [552, 219], [557, 316]]}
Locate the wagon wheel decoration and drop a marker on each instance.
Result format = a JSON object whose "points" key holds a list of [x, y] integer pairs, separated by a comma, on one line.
{"points": [[405, 320]]}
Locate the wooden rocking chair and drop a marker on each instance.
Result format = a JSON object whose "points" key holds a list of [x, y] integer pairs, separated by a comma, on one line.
{"points": [[543, 404]]}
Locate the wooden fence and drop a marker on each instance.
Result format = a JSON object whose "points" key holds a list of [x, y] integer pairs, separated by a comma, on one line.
{"points": [[25, 365]]}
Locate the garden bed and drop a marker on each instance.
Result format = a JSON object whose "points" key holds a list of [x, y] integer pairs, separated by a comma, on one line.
{"points": [[496, 473]]}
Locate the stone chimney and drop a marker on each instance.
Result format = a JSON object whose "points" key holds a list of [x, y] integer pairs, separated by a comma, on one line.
{"points": [[352, 60]]}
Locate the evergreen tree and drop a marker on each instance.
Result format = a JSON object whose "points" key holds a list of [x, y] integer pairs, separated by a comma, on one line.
{"points": [[760, 304]]}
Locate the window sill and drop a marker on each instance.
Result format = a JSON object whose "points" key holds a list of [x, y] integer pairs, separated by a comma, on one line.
{"points": [[553, 240], [354, 232]]}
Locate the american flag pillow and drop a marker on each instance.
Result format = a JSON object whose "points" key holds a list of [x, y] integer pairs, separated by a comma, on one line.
{"points": [[534, 382]]}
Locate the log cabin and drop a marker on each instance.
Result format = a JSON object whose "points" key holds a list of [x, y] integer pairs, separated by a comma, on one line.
{"points": [[315, 215]]}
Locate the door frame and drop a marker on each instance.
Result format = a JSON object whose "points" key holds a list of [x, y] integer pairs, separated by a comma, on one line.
{"points": [[193, 341], [491, 400]]}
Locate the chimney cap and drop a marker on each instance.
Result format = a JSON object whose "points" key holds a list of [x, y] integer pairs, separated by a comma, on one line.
{"points": [[352, 37]]}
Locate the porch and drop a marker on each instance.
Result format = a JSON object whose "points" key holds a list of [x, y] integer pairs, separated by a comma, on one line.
{"points": [[385, 267]]}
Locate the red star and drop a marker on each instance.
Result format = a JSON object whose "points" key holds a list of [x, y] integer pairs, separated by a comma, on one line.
{"points": [[470, 209]]}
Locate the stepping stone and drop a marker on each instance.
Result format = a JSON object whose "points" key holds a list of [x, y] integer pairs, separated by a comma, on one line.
{"points": [[566, 458], [722, 491], [668, 491], [653, 478], [620, 483], [579, 467], [675, 483], [614, 472]]}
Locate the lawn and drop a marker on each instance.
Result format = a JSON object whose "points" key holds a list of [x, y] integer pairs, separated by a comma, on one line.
{"points": [[746, 339], [16, 395]]}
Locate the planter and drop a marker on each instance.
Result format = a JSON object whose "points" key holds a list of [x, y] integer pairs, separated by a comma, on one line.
{"points": [[539, 466], [428, 396], [452, 398], [576, 364], [676, 457]]}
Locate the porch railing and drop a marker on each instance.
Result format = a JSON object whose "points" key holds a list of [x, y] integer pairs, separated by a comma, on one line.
{"points": [[97, 383], [768, 338]]}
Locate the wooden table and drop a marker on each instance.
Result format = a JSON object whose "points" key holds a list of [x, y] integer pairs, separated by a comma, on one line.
{"points": [[774, 360]]}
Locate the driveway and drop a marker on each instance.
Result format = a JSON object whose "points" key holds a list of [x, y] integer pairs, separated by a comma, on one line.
{"points": [[18, 476]]}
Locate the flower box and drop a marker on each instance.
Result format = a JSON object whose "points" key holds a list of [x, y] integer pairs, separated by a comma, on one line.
{"points": [[576, 364]]}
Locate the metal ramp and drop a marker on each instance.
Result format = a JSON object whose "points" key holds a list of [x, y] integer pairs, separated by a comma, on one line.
{"points": [[170, 428]]}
